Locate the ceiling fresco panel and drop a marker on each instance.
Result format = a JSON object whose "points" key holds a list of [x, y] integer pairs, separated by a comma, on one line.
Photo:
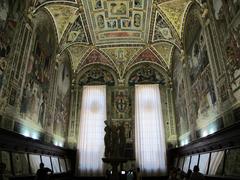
{"points": [[77, 32], [63, 15], [118, 21], [161, 30], [175, 10], [146, 56], [121, 56], [77, 52], [95, 57], [164, 49]]}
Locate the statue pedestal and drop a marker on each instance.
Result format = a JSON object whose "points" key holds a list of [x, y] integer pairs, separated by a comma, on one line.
{"points": [[114, 162]]}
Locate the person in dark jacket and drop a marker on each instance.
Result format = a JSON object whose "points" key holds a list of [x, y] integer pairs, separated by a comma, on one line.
{"points": [[43, 172]]}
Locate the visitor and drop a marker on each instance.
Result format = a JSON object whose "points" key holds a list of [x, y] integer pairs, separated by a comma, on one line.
{"points": [[3, 174], [43, 173], [188, 175], [196, 175], [172, 174], [138, 174], [107, 175]]}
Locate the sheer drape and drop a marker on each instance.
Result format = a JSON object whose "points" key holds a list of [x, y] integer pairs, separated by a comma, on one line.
{"points": [[216, 159], [150, 144], [91, 132]]}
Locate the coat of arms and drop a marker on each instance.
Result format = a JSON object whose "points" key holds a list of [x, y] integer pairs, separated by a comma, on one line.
{"points": [[121, 102]]}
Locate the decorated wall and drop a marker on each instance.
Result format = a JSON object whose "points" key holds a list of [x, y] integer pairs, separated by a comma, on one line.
{"points": [[205, 74], [35, 83], [50, 49]]}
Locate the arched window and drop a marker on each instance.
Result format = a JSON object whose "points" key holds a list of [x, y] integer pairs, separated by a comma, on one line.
{"points": [[150, 146], [91, 130]]}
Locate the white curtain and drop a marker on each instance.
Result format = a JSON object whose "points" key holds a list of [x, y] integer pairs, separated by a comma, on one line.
{"points": [[91, 132], [216, 159], [150, 144]]}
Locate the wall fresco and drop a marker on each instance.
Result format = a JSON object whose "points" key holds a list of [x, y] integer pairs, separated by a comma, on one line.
{"points": [[179, 95], [62, 104], [37, 83]]}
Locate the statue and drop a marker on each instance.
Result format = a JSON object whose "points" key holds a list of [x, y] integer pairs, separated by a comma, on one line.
{"points": [[107, 138], [114, 140]]}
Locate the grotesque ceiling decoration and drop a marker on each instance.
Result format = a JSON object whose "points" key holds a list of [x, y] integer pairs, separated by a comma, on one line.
{"points": [[77, 32], [121, 57], [119, 33], [77, 52], [95, 57], [175, 10], [118, 21], [62, 15], [147, 56], [164, 50], [162, 30]]}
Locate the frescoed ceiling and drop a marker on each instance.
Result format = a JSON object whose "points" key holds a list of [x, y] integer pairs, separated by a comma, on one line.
{"points": [[118, 21], [77, 52], [164, 49], [175, 11], [121, 56], [119, 30], [63, 15]]}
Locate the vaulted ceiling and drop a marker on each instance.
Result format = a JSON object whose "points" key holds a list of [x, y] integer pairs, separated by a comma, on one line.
{"points": [[120, 31]]}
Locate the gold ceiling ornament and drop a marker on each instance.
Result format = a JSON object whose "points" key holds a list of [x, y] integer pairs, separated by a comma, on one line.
{"points": [[77, 52], [164, 49], [121, 56], [175, 11], [63, 15]]}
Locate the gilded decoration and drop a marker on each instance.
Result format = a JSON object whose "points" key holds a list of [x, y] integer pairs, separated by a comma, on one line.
{"points": [[175, 10], [164, 49], [162, 31], [96, 75], [77, 32], [77, 52], [146, 74], [63, 15], [95, 57], [146, 56], [121, 56]]}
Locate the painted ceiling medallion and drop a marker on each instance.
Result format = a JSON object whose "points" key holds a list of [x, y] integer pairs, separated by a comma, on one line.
{"points": [[118, 21]]}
